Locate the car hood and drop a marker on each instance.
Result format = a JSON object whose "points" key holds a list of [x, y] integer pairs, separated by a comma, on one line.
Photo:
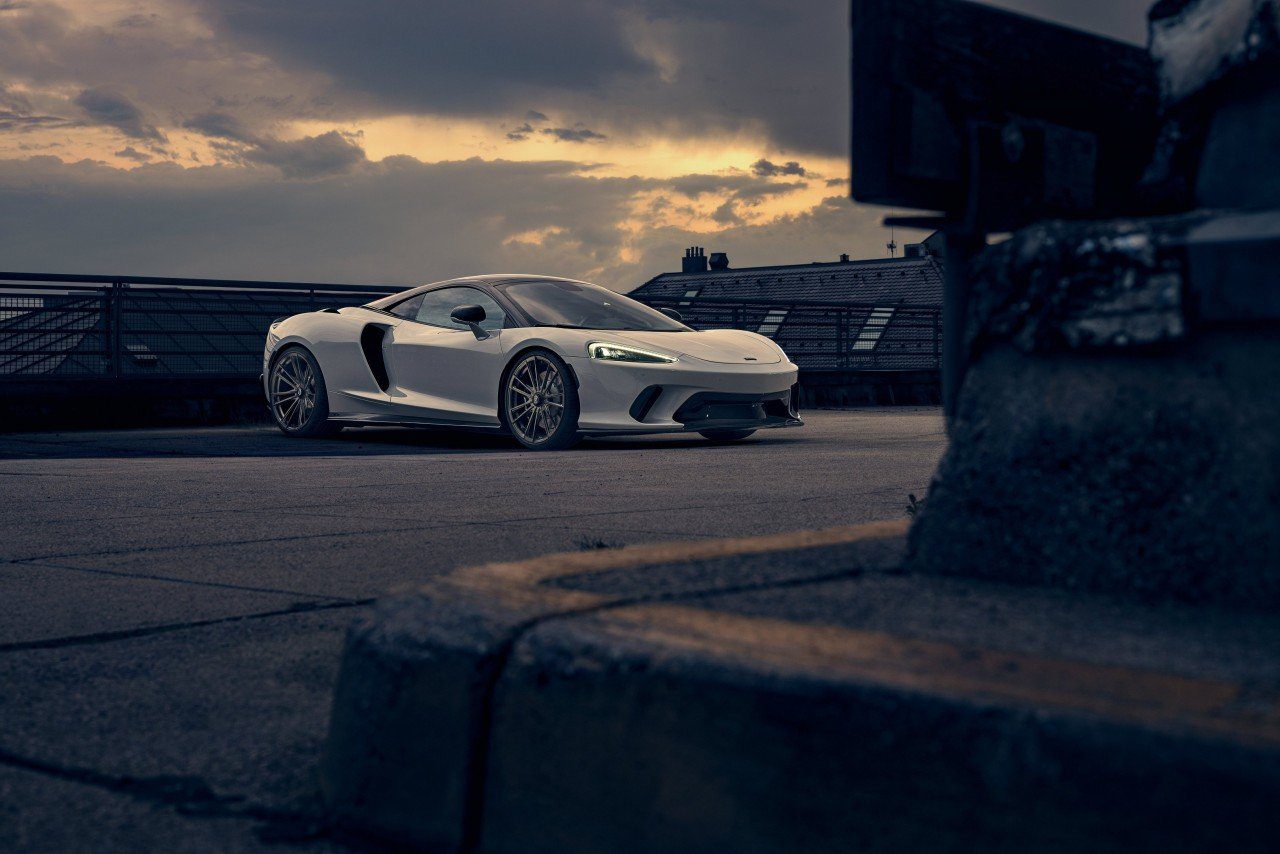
{"points": [[724, 346]]}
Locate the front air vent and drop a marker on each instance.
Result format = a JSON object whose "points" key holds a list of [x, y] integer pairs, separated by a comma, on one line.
{"points": [[371, 343], [644, 402]]}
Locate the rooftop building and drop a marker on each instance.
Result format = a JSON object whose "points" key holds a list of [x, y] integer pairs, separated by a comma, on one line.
{"points": [[914, 279], [877, 314]]}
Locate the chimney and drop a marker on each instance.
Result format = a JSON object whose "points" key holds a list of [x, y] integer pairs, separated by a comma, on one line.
{"points": [[844, 257], [913, 250], [719, 261], [694, 260]]}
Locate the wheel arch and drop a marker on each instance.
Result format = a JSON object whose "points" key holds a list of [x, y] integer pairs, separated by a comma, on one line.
{"points": [[324, 427], [286, 345], [524, 349]]}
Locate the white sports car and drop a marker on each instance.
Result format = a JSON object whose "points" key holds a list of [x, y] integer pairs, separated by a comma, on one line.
{"points": [[547, 360]]}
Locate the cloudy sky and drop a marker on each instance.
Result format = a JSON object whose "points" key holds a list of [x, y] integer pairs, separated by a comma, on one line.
{"points": [[397, 141]]}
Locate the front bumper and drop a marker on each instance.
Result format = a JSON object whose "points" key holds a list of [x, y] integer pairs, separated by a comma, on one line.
{"points": [[689, 395], [709, 410]]}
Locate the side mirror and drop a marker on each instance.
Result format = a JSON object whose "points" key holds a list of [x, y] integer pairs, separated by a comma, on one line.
{"points": [[472, 316], [673, 314]]}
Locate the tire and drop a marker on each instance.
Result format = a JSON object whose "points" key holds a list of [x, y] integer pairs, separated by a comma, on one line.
{"points": [[726, 435], [296, 395], [536, 388]]}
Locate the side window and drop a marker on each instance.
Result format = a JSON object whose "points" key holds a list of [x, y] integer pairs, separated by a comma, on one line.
{"points": [[438, 305], [407, 309]]}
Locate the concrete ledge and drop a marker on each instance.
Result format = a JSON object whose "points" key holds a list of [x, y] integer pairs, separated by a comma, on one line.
{"points": [[1155, 474], [405, 758], [625, 700], [666, 728]]}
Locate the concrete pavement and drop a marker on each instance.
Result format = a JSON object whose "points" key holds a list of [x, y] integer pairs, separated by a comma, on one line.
{"points": [[177, 598]]}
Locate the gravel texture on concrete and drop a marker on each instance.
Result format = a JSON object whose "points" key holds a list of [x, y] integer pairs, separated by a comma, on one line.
{"points": [[1153, 473]]}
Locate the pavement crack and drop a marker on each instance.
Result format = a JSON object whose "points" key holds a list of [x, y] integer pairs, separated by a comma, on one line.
{"points": [[146, 631], [243, 541], [144, 576], [186, 794]]}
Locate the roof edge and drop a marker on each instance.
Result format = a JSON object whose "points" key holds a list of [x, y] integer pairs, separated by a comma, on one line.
{"points": [[812, 265]]}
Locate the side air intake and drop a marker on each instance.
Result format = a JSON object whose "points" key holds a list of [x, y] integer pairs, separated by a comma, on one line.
{"points": [[371, 343], [645, 401]]}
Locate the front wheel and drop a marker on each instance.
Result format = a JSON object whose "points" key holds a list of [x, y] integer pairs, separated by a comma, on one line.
{"points": [[726, 435], [297, 395], [540, 402]]}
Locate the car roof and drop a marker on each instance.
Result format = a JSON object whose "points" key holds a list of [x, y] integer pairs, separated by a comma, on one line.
{"points": [[487, 279]]}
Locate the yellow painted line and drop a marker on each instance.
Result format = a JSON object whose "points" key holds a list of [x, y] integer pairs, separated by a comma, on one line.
{"points": [[960, 672], [974, 674], [535, 570]]}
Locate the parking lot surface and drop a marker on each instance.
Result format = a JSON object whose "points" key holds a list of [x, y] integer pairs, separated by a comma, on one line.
{"points": [[176, 599]]}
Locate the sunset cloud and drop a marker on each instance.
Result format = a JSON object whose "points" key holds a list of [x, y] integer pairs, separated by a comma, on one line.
{"points": [[103, 106], [765, 168], [573, 134], [131, 153], [521, 133], [18, 114], [221, 126], [385, 221], [332, 153], [391, 141]]}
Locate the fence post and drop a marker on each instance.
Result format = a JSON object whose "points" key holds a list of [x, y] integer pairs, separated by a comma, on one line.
{"points": [[844, 359], [115, 306], [937, 340]]}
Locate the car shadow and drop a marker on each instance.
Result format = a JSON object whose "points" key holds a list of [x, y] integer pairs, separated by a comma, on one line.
{"points": [[679, 440], [266, 441]]}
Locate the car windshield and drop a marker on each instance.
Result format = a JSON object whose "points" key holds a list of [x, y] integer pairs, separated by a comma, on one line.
{"points": [[578, 305]]}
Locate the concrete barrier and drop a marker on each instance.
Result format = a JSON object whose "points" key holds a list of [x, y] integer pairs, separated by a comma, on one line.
{"points": [[410, 719], [1105, 438], [632, 700], [1117, 429], [664, 728]]}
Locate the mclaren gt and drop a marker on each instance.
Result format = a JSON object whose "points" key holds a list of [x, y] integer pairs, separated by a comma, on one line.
{"points": [[544, 359]]}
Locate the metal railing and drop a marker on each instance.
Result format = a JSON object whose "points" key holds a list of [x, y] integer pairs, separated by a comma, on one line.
{"points": [[826, 336], [59, 327]]}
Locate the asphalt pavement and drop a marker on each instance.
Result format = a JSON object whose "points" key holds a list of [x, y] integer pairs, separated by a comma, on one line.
{"points": [[176, 599]]}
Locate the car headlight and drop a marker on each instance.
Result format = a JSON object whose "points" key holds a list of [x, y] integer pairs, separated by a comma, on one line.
{"points": [[620, 353]]}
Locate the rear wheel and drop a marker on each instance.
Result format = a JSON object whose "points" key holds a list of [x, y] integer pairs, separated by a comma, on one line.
{"points": [[726, 435], [540, 402], [297, 396]]}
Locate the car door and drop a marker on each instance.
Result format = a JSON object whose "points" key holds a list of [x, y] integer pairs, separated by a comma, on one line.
{"points": [[439, 369]]}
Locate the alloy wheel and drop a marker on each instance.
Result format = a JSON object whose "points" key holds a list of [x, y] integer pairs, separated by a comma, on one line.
{"points": [[535, 399], [293, 390]]}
